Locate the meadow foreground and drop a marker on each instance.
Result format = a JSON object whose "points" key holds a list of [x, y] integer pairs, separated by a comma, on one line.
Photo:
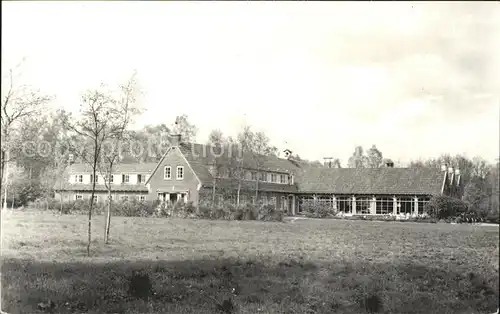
{"points": [[309, 266]]}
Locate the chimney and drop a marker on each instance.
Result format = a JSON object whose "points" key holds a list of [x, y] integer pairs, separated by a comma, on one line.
{"points": [[328, 161], [175, 139]]}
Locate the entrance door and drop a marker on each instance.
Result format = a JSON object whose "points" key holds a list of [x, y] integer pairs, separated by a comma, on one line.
{"points": [[173, 198]]}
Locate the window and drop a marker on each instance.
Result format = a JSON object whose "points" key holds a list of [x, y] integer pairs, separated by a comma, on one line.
{"points": [[282, 178], [384, 206], [78, 197], [273, 177], [180, 172], [363, 205], [422, 203], [406, 205], [263, 176], [142, 198], [254, 176], [92, 178], [79, 178], [220, 199], [109, 178], [141, 178], [344, 205], [95, 198], [124, 197], [284, 203], [167, 173], [125, 178], [287, 179], [254, 200]]}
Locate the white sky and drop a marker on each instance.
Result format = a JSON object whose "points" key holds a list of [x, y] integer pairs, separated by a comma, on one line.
{"points": [[416, 79]]}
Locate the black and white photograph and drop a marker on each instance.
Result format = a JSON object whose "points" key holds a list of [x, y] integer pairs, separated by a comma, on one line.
{"points": [[250, 157]]}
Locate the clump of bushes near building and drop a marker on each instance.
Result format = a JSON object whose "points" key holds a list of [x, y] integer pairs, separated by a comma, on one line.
{"points": [[136, 208], [439, 208]]}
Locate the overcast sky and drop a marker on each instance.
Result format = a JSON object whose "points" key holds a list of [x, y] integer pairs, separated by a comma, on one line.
{"points": [[416, 79]]}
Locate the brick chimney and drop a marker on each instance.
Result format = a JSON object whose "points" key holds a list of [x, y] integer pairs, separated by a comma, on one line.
{"points": [[175, 139]]}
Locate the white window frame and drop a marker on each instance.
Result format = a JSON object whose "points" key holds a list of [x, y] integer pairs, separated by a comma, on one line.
{"points": [[142, 198], [78, 178], [177, 177], [123, 197], [262, 176], [283, 202], [78, 197], [96, 199], [169, 177], [127, 176], [274, 178], [110, 179], [141, 178], [282, 178]]}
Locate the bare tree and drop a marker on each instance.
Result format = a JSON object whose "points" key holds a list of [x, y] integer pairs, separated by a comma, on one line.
{"points": [[101, 120], [19, 102], [124, 111]]}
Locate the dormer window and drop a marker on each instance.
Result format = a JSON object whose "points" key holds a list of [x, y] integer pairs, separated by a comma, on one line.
{"points": [[92, 178], [273, 177], [125, 178], [78, 178], [141, 178], [282, 178], [263, 176]]}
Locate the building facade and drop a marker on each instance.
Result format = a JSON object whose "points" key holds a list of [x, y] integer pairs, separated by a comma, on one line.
{"points": [[200, 174]]}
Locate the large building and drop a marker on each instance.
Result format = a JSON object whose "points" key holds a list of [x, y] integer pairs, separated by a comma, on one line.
{"points": [[201, 173]]}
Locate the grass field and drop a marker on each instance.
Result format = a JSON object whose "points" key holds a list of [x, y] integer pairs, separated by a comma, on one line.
{"points": [[308, 266]]}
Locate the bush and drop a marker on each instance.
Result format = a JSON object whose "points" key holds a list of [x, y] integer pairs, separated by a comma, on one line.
{"points": [[270, 213], [445, 207], [319, 210]]}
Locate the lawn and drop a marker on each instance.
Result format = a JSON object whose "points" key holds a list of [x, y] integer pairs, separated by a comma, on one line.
{"points": [[305, 266]]}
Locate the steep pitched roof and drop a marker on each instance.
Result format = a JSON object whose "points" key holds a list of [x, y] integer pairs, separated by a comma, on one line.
{"points": [[145, 168], [101, 187], [416, 181], [119, 168], [201, 157]]}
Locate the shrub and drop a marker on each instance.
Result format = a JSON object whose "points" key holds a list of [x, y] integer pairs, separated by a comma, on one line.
{"points": [[445, 207], [270, 213], [318, 210]]}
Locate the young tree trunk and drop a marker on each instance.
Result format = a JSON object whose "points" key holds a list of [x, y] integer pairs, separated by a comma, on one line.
{"points": [[91, 207], [238, 194], [213, 194], [6, 176], [108, 218]]}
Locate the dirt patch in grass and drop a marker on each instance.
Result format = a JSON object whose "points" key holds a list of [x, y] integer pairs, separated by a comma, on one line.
{"points": [[195, 266]]}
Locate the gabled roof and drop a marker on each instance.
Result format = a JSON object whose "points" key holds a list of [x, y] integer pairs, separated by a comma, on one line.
{"points": [[102, 188], [414, 181], [201, 157], [119, 168]]}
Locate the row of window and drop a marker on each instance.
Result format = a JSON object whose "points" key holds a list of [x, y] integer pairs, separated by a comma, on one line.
{"points": [[383, 206], [122, 197], [261, 176], [125, 178], [179, 173], [264, 200]]}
